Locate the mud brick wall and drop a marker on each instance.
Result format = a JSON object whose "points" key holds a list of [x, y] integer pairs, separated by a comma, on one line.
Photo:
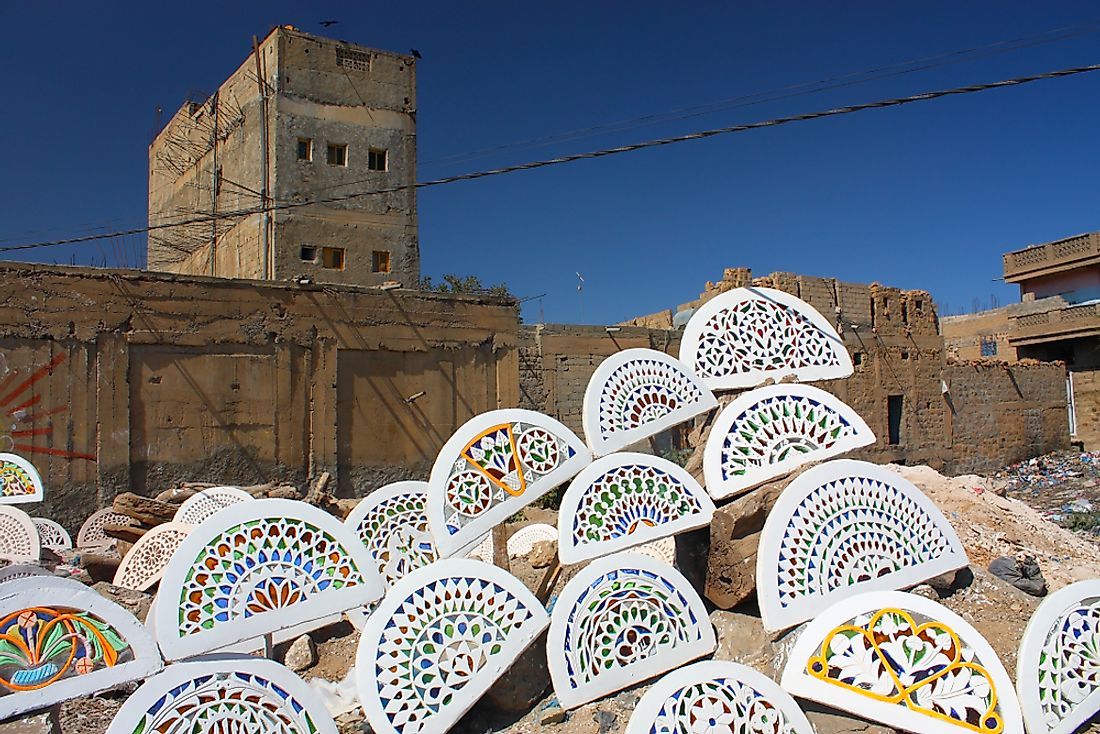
{"points": [[1086, 397]]}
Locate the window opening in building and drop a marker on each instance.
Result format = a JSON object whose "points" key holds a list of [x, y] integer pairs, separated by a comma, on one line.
{"points": [[894, 405], [355, 60], [308, 254], [337, 154], [305, 149], [332, 258], [905, 355], [857, 358], [989, 346], [380, 261], [376, 159]]}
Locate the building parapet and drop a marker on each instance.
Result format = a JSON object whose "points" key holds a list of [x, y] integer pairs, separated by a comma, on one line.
{"points": [[1052, 257], [1070, 322]]}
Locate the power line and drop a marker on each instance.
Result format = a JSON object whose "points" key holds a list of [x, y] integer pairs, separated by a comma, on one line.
{"points": [[604, 152]]}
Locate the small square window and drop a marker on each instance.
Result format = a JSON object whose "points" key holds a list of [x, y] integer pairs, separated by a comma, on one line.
{"points": [[332, 258], [305, 149], [376, 160], [380, 262], [989, 346], [308, 254], [857, 358], [337, 154]]}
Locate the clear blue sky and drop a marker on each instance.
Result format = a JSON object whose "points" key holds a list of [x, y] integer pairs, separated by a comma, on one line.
{"points": [[924, 196]]}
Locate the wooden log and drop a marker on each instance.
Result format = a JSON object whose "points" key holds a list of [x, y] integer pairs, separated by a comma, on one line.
{"points": [[127, 533], [145, 510]]}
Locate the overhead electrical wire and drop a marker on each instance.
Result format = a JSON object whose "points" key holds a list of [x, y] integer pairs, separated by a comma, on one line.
{"points": [[604, 152]]}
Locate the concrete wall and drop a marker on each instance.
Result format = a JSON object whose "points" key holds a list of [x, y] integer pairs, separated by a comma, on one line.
{"points": [[1075, 286], [122, 380]]}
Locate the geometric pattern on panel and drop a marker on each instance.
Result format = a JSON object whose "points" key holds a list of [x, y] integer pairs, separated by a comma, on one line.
{"points": [[91, 533], [848, 526], [624, 500], [622, 619], [145, 563], [522, 542], [717, 697], [494, 465], [438, 640], [391, 522], [60, 640], [905, 661], [19, 539], [1058, 668], [230, 694], [15, 571], [746, 335], [637, 393], [256, 567], [773, 430], [19, 480], [205, 503], [51, 535]]}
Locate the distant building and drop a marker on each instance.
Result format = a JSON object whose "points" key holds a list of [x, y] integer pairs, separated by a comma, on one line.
{"points": [[302, 120]]}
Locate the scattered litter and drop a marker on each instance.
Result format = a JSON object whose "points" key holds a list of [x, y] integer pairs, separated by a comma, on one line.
{"points": [[1064, 486]]}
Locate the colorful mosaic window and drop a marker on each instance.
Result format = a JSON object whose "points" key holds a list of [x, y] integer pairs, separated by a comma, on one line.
{"points": [[1058, 669], [61, 640], [717, 697], [439, 639], [51, 535], [202, 505], [19, 480], [392, 523], [773, 430], [144, 565], [627, 499], [846, 526], [623, 619], [224, 695], [904, 661], [637, 393], [19, 539], [257, 567], [493, 466], [746, 335]]}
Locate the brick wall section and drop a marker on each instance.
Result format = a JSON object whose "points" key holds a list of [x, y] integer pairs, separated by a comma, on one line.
{"points": [[1086, 398]]}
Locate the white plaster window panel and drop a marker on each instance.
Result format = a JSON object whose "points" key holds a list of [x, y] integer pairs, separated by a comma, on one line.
{"points": [[626, 499], [637, 393], [493, 466], [523, 540], [19, 480], [771, 431], [19, 539], [392, 524], [1058, 668], [91, 535], [144, 565], [663, 550], [51, 535], [60, 640], [21, 571], [256, 567], [205, 503], [716, 697], [224, 693], [623, 619], [483, 551], [439, 639], [744, 336], [848, 526], [906, 662]]}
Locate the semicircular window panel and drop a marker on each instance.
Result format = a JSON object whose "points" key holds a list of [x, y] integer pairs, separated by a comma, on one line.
{"points": [[19, 480], [439, 639], [716, 697], [637, 393], [60, 640], [624, 500], [144, 564], [522, 542], [843, 527], [744, 336], [257, 567], [52, 535], [91, 535], [771, 431], [623, 619], [906, 662], [1058, 668], [205, 503], [493, 466], [392, 524], [224, 693], [19, 538]]}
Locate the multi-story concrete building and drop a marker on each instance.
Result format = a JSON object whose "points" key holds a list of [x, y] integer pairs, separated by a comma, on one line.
{"points": [[272, 172]]}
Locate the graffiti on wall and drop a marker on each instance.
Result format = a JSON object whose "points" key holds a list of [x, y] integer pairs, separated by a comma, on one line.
{"points": [[24, 421]]}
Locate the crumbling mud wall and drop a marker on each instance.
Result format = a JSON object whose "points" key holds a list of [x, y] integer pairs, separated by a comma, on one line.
{"points": [[116, 380]]}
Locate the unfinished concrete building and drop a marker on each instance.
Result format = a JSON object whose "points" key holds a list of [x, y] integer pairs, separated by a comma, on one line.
{"points": [[268, 170]]}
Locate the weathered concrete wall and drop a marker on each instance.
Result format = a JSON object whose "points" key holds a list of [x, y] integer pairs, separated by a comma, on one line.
{"points": [[1086, 403], [122, 380]]}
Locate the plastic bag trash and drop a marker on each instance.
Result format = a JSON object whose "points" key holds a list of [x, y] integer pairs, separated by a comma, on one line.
{"points": [[339, 698], [1022, 572]]}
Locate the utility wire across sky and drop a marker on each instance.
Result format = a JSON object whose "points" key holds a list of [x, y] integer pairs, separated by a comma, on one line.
{"points": [[658, 142]]}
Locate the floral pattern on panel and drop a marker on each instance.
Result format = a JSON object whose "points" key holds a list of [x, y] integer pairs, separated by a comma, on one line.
{"points": [[720, 706], [15, 481], [628, 498], [642, 391], [397, 535], [1069, 664], [922, 665]]}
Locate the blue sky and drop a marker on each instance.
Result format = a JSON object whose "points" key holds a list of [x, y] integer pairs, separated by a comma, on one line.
{"points": [[924, 196]]}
